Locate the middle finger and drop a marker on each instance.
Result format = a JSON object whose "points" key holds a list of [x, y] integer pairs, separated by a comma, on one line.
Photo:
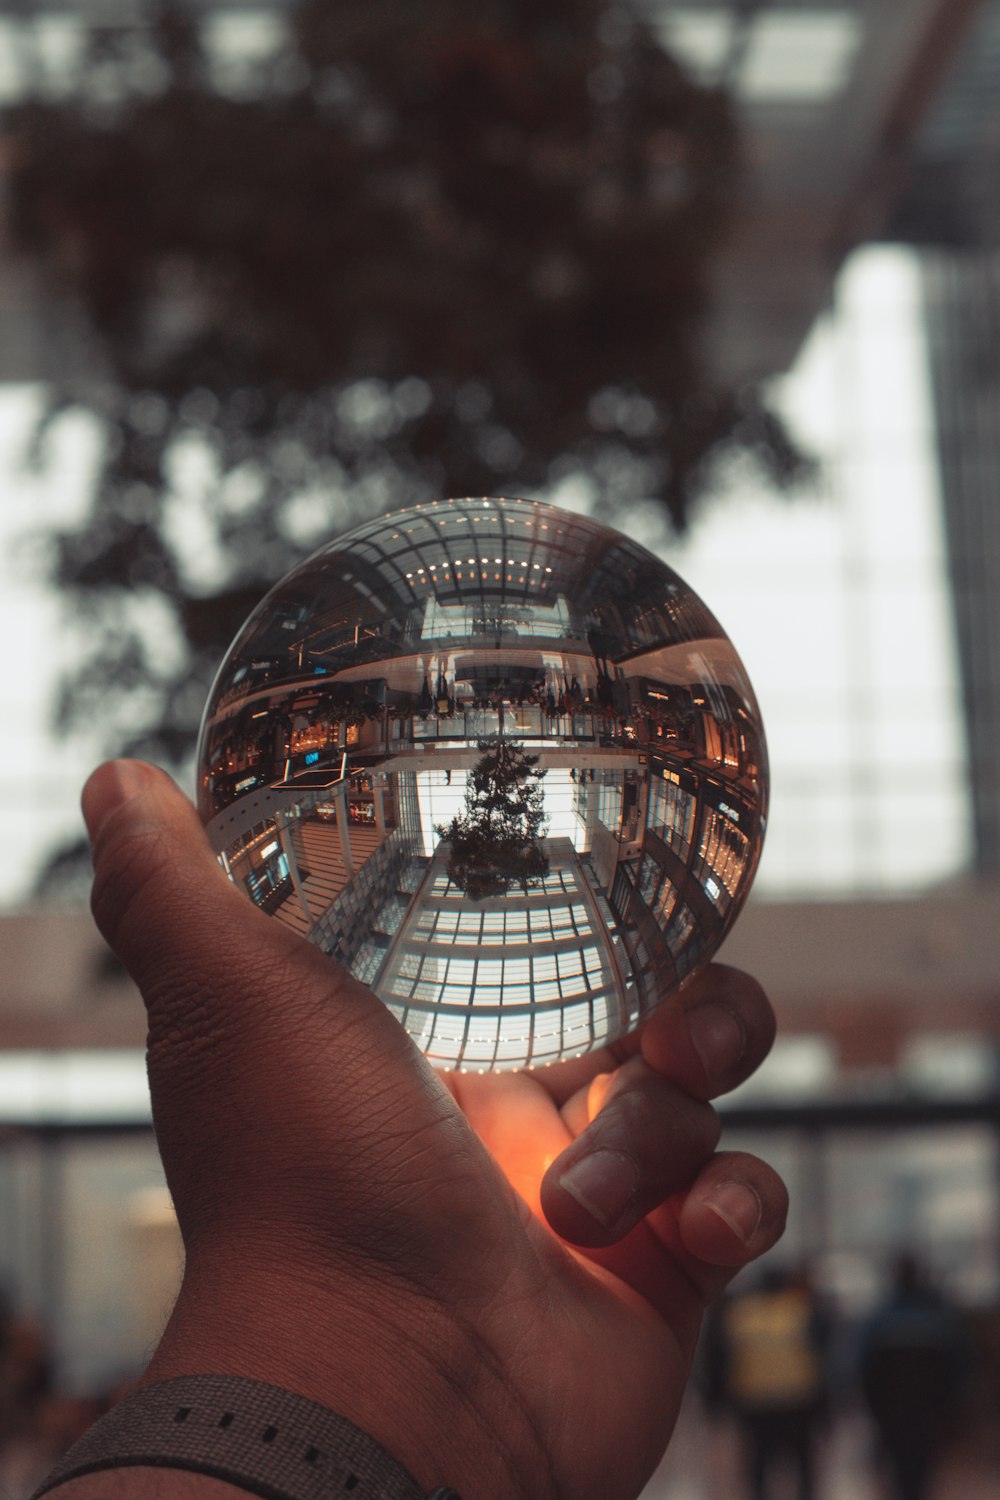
{"points": [[648, 1139]]}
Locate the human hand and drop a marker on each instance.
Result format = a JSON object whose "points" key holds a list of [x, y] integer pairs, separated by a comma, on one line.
{"points": [[405, 1247]]}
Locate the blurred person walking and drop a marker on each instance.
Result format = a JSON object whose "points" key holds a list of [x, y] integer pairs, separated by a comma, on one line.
{"points": [[766, 1357], [25, 1369], [25, 1383], [912, 1366]]}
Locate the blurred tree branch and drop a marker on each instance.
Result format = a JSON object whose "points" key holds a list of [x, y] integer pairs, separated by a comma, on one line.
{"points": [[416, 251]]}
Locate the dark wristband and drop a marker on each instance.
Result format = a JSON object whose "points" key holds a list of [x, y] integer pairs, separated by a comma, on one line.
{"points": [[260, 1437]]}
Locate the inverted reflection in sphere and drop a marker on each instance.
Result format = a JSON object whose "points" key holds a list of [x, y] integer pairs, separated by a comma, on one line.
{"points": [[500, 762]]}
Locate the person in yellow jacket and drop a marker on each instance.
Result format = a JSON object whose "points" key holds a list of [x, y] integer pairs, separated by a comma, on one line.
{"points": [[769, 1368]]}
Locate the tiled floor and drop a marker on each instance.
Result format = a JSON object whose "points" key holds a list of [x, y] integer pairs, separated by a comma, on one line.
{"points": [[703, 1463]]}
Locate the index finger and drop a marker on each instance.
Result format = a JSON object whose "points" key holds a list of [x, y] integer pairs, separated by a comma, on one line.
{"points": [[707, 1038], [717, 1036]]}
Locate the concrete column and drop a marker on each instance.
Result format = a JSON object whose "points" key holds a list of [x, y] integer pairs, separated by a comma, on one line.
{"points": [[284, 832], [379, 791], [343, 829]]}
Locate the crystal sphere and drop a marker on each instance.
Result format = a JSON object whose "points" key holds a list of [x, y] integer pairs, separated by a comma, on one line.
{"points": [[500, 762]]}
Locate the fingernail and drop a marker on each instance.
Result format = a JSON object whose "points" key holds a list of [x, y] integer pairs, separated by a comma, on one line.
{"points": [[738, 1206], [719, 1039], [604, 1183], [108, 788]]}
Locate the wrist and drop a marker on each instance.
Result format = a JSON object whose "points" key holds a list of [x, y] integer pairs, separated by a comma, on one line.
{"points": [[422, 1381], [260, 1438]]}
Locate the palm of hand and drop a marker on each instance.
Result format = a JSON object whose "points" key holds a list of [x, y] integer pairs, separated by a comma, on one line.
{"points": [[601, 1339]]}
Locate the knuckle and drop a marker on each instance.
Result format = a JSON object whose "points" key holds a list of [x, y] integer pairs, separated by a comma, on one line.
{"points": [[667, 1127]]}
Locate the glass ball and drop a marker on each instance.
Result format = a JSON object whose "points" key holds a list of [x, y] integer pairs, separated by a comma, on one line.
{"points": [[500, 762]]}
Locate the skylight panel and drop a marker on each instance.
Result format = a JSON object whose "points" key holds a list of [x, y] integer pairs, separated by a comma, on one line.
{"points": [[700, 37], [799, 57]]}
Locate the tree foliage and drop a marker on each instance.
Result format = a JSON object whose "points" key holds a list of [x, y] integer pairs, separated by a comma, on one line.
{"points": [[496, 845], [413, 251]]}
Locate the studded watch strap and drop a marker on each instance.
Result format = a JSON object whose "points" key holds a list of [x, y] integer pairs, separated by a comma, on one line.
{"points": [[260, 1437]]}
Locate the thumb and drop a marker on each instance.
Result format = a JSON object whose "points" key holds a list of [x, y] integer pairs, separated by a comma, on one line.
{"points": [[225, 986], [201, 953], [153, 866], [266, 1059]]}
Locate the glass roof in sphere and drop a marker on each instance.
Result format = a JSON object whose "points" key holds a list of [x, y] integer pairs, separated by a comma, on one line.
{"points": [[500, 762]]}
